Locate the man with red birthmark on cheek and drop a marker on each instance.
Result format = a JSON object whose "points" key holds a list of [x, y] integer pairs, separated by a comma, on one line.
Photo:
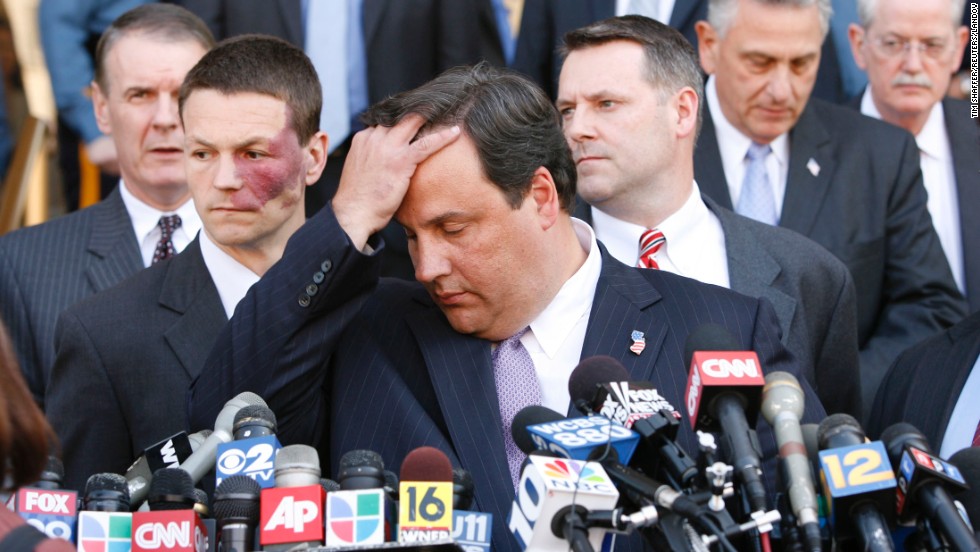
{"points": [[250, 111]]}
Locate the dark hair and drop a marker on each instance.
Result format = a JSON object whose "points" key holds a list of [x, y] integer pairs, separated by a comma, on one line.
{"points": [[671, 62], [264, 65], [165, 21], [24, 431], [513, 125]]}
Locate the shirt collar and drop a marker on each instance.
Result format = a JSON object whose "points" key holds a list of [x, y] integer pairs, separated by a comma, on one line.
{"points": [[231, 278], [552, 327], [146, 217], [932, 140], [730, 139]]}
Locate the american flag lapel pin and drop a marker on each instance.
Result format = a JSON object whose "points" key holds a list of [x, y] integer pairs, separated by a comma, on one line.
{"points": [[639, 342], [813, 166]]}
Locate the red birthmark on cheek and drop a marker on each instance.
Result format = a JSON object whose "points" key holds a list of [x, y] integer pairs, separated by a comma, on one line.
{"points": [[269, 177]]}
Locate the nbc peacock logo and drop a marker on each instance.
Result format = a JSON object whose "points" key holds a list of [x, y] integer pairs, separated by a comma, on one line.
{"points": [[570, 470]]}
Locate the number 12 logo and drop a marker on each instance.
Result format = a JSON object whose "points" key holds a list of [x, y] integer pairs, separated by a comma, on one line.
{"points": [[856, 469]]}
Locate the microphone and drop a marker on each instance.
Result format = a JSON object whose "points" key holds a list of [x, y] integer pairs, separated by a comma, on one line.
{"points": [[361, 469], [168, 453], [171, 524], [104, 517], [53, 476], [202, 460], [51, 511], [425, 496], [924, 485], [254, 448], [638, 487], [292, 511], [462, 488], [782, 406], [554, 498], [723, 392], [858, 482], [968, 462], [600, 384], [471, 530], [202, 507], [236, 509]]}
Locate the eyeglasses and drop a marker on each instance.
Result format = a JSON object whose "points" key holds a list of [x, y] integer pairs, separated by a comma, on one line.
{"points": [[895, 46]]}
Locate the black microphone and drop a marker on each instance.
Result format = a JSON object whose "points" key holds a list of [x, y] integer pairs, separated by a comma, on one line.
{"points": [[968, 461], [255, 420], [601, 385], [361, 469], [861, 498], [724, 392], [924, 485], [171, 489], [462, 489], [53, 476], [106, 492], [236, 508]]}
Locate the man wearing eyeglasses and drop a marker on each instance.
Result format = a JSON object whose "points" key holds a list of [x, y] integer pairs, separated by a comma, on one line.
{"points": [[910, 51], [846, 181]]}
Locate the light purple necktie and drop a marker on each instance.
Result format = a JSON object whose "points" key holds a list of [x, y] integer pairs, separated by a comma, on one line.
{"points": [[757, 200], [517, 387]]}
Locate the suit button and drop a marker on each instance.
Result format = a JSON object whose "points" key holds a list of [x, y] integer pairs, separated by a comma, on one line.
{"points": [[311, 290], [318, 278], [304, 300], [325, 266]]}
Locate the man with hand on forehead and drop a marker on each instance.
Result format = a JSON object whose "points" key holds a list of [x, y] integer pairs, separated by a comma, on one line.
{"points": [[250, 110], [512, 293]]}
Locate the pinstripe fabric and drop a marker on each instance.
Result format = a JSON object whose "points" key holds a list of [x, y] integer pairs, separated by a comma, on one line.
{"points": [[133, 349], [396, 376], [45, 269]]}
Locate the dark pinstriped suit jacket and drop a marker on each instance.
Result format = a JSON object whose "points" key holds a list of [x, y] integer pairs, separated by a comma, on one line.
{"points": [[926, 381], [47, 268], [393, 375], [124, 360]]}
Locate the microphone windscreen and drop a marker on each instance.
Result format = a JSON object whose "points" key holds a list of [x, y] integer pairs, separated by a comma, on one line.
{"points": [[528, 416], [462, 489], [968, 462], [297, 466], [171, 489], [709, 337], [426, 464], [361, 469], [594, 371], [236, 500], [896, 436], [839, 430], [202, 505], [329, 485], [106, 492], [53, 475], [257, 415]]}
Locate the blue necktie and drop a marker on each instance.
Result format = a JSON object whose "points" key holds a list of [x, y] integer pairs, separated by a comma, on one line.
{"points": [[757, 200]]}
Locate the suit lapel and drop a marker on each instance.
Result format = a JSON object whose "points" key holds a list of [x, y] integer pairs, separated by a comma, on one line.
{"points": [[810, 152], [962, 356], [964, 137], [189, 290], [751, 269], [620, 307], [462, 376], [709, 171], [113, 244]]}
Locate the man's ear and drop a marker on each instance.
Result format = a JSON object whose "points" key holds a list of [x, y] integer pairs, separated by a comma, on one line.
{"points": [[686, 107], [708, 40], [856, 36], [100, 103], [544, 194], [316, 157]]}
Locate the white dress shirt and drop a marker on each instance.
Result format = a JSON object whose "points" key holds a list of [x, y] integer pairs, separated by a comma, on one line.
{"points": [[965, 417], [939, 178], [733, 146], [230, 277], [558, 333], [145, 219], [695, 245]]}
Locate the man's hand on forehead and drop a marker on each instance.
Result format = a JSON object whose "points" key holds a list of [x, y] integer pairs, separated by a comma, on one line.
{"points": [[377, 171]]}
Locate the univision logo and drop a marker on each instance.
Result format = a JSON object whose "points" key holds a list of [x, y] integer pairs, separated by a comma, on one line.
{"points": [[355, 518], [107, 532]]}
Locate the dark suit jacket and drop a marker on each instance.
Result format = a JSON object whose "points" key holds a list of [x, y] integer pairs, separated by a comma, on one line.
{"points": [[811, 292], [125, 359], [397, 376], [964, 141], [408, 42], [866, 205], [924, 384], [47, 268]]}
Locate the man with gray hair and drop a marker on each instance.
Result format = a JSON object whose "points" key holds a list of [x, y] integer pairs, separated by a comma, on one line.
{"points": [[630, 95], [848, 182], [910, 51]]}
